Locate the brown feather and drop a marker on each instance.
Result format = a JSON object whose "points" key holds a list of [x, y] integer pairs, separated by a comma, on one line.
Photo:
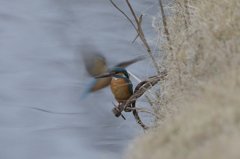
{"points": [[101, 83]]}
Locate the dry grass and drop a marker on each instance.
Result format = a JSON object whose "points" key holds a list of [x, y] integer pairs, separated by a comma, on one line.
{"points": [[199, 104]]}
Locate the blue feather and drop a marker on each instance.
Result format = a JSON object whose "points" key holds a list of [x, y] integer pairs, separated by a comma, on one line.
{"points": [[87, 89]]}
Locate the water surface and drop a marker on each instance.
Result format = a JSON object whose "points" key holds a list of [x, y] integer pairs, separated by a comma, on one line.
{"points": [[42, 76]]}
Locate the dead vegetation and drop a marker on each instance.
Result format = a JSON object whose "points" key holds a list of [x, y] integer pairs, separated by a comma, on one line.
{"points": [[197, 106]]}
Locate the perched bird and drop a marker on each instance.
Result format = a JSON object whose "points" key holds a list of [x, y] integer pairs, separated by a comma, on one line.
{"points": [[121, 86], [96, 65]]}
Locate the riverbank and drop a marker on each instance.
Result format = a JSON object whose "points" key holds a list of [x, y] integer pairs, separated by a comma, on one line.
{"points": [[197, 106]]}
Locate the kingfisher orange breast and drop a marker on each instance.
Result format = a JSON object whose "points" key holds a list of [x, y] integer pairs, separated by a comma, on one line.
{"points": [[120, 89]]}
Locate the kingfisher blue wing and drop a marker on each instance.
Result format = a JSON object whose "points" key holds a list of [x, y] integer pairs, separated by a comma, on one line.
{"points": [[130, 87], [87, 88]]}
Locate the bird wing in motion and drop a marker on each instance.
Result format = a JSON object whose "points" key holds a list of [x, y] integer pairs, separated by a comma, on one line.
{"points": [[127, 63], [94, 62], [96, 65]]}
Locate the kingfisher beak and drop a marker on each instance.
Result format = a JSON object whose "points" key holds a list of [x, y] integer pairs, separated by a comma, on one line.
{"points": [[104, 75]]}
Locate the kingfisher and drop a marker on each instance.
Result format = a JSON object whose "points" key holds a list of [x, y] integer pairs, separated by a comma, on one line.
{"points": [[95, 65], [121, 86]]}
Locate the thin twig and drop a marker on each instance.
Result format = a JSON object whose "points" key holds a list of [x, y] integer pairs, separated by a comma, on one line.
{"points": [[139, 23], [123, 14], [140, 81], [143, 110], [134, 15], [137, 79], [142, 36], [165, 24], [150, 102]]}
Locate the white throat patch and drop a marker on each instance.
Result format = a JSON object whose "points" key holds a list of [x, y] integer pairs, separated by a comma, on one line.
{"points": [[114, 78]]}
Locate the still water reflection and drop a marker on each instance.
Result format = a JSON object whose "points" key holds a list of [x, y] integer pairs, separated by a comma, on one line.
{"points": [[42, 76]]}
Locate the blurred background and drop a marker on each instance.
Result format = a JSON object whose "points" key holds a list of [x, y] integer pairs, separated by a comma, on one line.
{"points": [[42, 77]]}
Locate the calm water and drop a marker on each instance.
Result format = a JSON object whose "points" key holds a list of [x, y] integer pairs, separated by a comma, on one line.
{"points": [[42, 76]]}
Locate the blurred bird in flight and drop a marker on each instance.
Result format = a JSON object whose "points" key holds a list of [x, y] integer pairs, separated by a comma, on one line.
{"points": [[95, 65]]}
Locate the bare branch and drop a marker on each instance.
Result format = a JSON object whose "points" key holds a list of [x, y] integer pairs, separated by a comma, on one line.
{"points": [[134, 15], [142, 36], [139, 23], [140, 32], [123, 14]]}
